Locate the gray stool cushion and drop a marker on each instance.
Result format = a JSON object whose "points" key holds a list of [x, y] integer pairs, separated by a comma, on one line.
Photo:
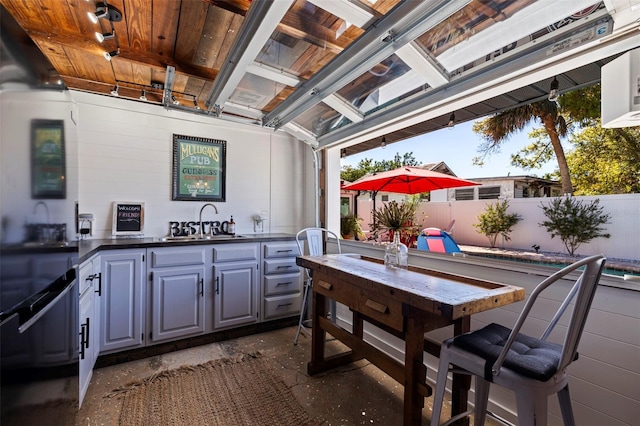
{"points": [[528, 356]]}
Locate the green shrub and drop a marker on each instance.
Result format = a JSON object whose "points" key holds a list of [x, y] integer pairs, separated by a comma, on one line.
{"points": [[574, 221], [495, 221], [395, 216], [350, 227]]}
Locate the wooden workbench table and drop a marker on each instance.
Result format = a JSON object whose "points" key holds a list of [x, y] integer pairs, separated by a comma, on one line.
{"points": [[405, 303]]}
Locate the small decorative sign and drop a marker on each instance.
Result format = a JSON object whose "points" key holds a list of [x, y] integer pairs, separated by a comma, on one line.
{"points": [[48, 159], [128, 218], [199, 169]]}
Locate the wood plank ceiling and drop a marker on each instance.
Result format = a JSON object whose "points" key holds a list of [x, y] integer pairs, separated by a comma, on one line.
{"points": [[193, 40]]}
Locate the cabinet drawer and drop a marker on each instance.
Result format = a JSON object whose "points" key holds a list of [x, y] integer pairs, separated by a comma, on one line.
{"points": [[85, 277], [281, 249], [280, 266], [377, 306], [281, 306], [232, 252], [282, 284], [176, 257]]}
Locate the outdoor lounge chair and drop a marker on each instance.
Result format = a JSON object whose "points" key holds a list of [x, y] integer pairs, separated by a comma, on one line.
{"points": [[436, 240], [532, 368]]}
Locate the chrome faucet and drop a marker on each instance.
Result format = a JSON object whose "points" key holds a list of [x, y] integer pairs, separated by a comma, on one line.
{"points": [[200, 218], [46, 209]]}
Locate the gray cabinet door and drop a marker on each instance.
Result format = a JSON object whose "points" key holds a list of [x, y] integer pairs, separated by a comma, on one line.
{"points": [[85, 341], [122, 322], [177, 298], [235, 293], [98, 291]]}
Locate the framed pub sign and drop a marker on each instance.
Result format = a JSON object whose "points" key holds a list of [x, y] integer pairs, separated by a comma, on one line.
{"points": [[199, 169]]}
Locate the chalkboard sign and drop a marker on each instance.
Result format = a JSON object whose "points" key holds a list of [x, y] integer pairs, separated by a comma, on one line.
{"points": [[128, 218]]}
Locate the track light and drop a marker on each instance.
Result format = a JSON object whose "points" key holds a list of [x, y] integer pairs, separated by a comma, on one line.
{"points": [[109, 55], [107, 12], [102, 11], [383, 142], [452, 120], [553, 93], [114, 92], [143, 96], [101, 37], [174, 100]]}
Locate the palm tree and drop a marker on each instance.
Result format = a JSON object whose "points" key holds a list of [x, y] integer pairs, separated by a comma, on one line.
{"points": [[496, 129]]}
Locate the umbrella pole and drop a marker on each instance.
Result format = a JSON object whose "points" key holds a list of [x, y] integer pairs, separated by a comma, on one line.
{"points": [[373, 216]]}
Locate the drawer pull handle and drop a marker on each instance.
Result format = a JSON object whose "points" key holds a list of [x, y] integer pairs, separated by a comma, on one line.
{"points": [[287, 283], [284, 266], [325, 285], [284, 305], [379, 307], [285, 251], [99, 277]]}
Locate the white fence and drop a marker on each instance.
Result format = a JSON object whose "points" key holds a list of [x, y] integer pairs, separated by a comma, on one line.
{"points": [[624, 225]]}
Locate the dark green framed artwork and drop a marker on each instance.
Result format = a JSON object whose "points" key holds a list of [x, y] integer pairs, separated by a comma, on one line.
{"points": [[48, 166], [199, 172]]}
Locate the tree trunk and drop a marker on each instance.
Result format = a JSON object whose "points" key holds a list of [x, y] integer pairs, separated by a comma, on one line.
{"points": [[549, 122]]}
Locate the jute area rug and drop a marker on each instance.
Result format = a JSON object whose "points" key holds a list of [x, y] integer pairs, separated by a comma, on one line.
{"points": [[239, 391]]}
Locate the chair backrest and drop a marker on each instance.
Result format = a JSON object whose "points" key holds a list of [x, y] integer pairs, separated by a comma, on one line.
{"points": [[449, 228], [315, 240], [581, 293]]}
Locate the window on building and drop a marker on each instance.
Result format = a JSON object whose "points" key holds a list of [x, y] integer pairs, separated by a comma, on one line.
{"points": [[384, 198], [489, 193], [464, 194], [345, 206]]}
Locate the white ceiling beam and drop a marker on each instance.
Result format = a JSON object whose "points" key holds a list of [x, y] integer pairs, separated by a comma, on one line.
{"points": [[353, 13], [343, 107], [301, 133], [243, 110], [260, 22], [273, 74], [420, 62]]}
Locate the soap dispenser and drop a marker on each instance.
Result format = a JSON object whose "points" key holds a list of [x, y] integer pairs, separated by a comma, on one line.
{"points": [[231, 227]]}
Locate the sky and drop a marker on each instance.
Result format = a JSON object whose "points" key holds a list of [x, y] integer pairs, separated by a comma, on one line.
{"points": [[457, 147]]}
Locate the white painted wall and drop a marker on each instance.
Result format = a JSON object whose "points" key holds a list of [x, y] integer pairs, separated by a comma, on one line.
{"points": [[126, 155], [624, 227], [18, 106]]}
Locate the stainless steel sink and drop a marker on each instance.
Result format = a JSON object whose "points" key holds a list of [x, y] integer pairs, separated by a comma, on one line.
{"points": [[218, 237]]}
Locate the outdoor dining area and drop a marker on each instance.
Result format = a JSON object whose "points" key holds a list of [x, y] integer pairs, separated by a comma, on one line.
{"points": [[407, 303]]}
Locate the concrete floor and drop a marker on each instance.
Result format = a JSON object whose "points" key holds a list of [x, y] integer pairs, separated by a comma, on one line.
{"points": [[356, 394]]}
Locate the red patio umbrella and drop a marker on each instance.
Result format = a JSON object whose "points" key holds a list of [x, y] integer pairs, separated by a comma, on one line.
{"points": [[408, 180]]}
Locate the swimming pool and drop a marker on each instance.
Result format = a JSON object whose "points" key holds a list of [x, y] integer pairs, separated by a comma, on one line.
{"points": [[618, 270]]}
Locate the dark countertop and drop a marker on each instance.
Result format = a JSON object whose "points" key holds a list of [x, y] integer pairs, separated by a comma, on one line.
{"points": [[87, 248]]}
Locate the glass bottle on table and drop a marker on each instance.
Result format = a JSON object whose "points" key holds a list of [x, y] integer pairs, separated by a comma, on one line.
{"points": [[396, 254]]}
